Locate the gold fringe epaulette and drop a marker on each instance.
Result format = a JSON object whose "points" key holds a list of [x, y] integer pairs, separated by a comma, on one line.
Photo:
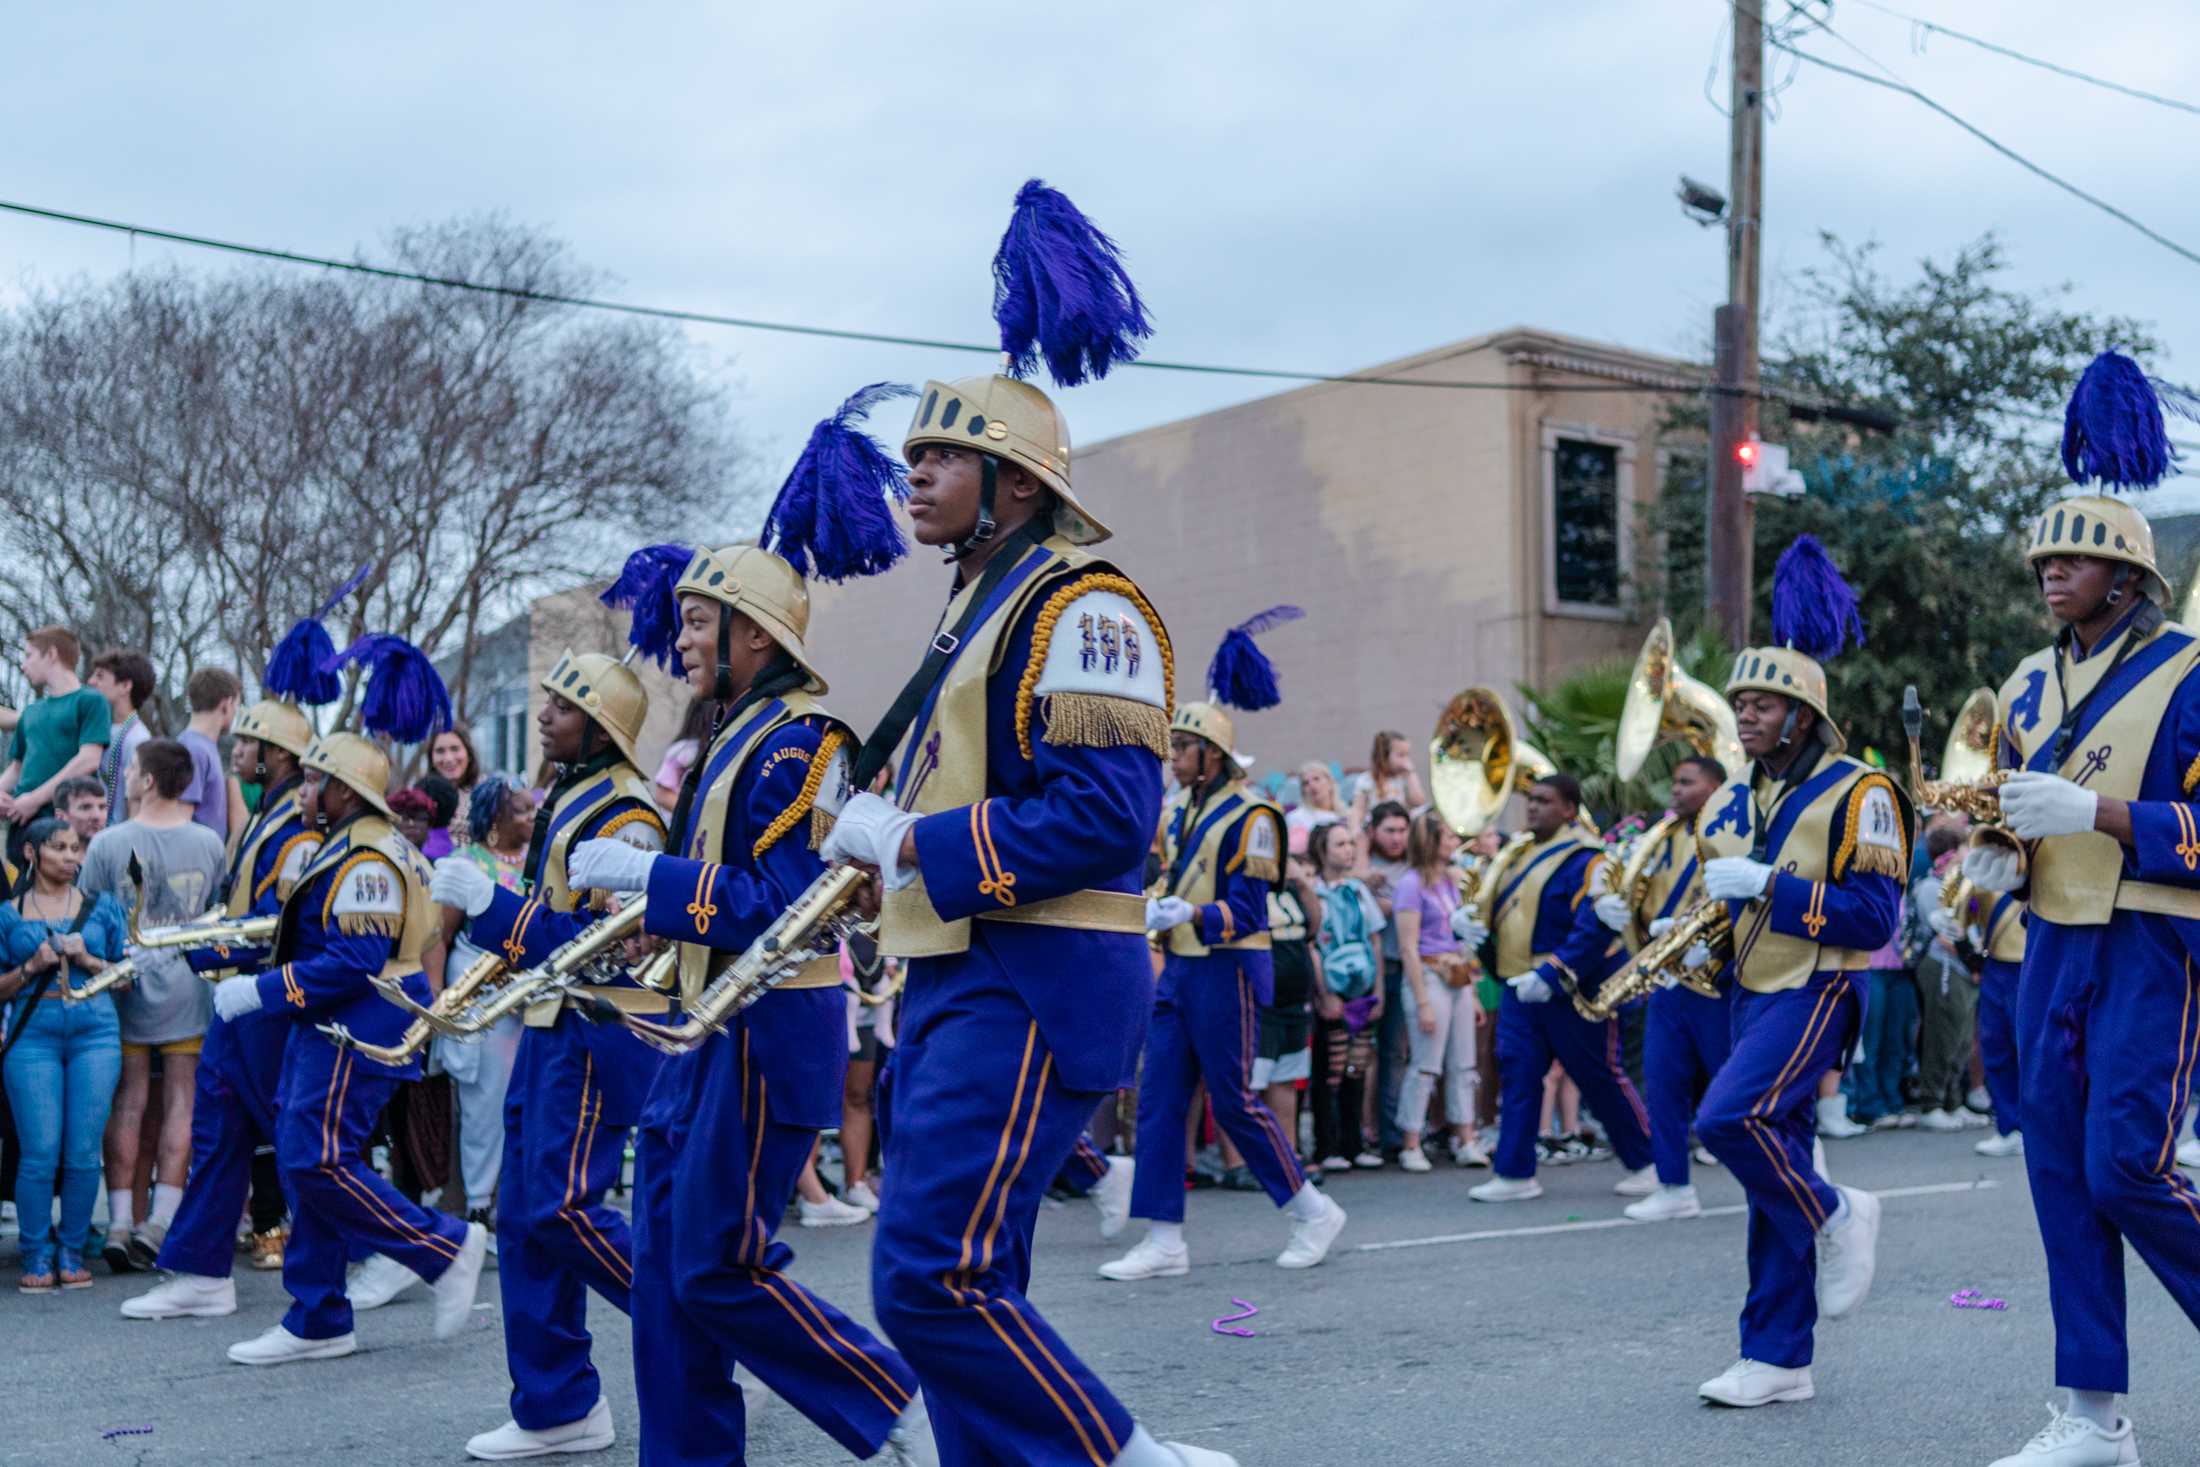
{"points": [[1042, 637], [370, 924], [1263, 868], [1098, 721], [1874, 859], [1878, 861]]}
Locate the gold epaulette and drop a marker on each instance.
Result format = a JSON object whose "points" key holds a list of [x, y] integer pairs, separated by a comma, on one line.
{"points": [[1096, 720], [1874, 860]]}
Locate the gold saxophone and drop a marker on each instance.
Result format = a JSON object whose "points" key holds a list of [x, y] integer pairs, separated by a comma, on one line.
{"points": [[211, 930], [1969, 783], [820, 917], [1662, 960]]}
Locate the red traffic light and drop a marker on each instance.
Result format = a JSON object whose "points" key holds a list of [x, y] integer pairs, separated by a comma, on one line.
{"points": [[1747, 454]]}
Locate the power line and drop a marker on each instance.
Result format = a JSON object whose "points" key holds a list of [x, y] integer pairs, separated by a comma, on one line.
{"points": [[743, 323], [1998, 146], [2045, 65]]}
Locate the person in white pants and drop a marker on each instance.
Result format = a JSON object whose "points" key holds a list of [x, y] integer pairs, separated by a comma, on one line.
{"points": [[1440, 1006]]}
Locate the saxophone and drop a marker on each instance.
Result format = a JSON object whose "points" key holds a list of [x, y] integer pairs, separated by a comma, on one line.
{"points": [[211, 930], [1662, 961]]}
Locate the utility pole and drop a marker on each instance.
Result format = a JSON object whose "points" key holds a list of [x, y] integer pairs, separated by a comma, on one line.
{"points": [[1727, 578]]}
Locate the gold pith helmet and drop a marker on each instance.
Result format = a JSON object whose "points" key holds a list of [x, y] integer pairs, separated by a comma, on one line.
{"points": [[273, 721], [1011, 420], [605, 689], [2102, 527], [763, 588], [356, 760], [1789, 673], [1207, 721]]}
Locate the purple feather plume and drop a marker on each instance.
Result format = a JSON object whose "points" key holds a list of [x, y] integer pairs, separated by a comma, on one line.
{"points": [[1813, 608], [405, 697], [2113, 430], [297, 669], [644, 589], [1060, 292], [1241, 674], [834, 516]]}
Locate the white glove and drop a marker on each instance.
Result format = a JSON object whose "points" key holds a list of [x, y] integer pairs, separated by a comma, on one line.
{"points": [[1612, 911], [1659, 926], [1697, 957], [869, 832], [1945, 925], [601, 865], [236, 997], [1471, 930], [1163, 913], [1529, 987], [459, 883], [1735, 879], [1993, 868], [2035, 805]]}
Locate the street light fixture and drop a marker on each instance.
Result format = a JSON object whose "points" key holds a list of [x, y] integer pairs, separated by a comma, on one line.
{"points": [[1701, 202]]}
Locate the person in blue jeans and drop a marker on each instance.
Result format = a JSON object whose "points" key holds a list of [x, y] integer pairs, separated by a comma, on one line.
{"points": [[1890, 1040], [62, 1058]]}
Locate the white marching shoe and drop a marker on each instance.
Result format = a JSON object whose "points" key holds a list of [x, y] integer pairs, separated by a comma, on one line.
{"points": [[377, 1281], [1200, 1456], [1112, 1195], [1848, 1254], [2073, 1441], [278, 1346], [2009, 1145], [454, 1291], [2188, 1154], [1310, 1239], [183, 1296], [1507, 1189], [1148, 1260], [1667, 1204], [1638, 1184], [592, 1433], [910, 1443], [1754, 1383]]}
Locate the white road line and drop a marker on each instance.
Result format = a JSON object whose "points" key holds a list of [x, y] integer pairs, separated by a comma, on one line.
{"points": [[1596, 1225]]}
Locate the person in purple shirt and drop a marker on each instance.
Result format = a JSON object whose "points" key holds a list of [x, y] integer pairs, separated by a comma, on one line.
{"points": [[213, 693]]}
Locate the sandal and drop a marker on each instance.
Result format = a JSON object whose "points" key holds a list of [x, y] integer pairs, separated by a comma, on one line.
{"points": [[74, 1275], [37, 1279]]}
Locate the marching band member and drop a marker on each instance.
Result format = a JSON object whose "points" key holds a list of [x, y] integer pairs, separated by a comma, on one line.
{"points": [[2103, 729], [1993, 923], [577, 1086], [1222, 853], [240, 1067], [1030, 791], [359, 910], [1685, 1033], [730, 1125], [1539, 903], [1810, 850]]}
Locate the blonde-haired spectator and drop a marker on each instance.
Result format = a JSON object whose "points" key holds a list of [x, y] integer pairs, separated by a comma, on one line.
{"points": [[1317, 804]]}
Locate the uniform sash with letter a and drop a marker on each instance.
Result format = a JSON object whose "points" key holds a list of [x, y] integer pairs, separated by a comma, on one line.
{"points": [[1517, 897]]}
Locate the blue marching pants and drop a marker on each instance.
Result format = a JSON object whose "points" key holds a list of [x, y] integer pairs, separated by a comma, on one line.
{"points": [[1685, 1040], [1757, 1119], [1205, 1025], [1997, 1042], [2108, 1029], [1085, 1169], [1529, 1037], [975, 1125], [232, 1116], [330, 1099], [713, 1176], [565, 1121]]}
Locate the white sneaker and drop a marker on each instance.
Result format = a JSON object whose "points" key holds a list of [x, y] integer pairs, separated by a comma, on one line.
{"points": [[278, 1346], [831, 1213], [1369, 1159], [1112, 1195], [1200, 1456], [1638, 1184], [1310, 1240], [1848, 1254], [2073, 1441], [1754, 1383], [592, 1433], [1979, 1100], [862, 1195], [1834, 1122], [1704, 1157], [1413, 1159], [377, 1281], [1470, 1153], [454, 1291], [1507, 1189], [1667, 1204], [1336, 1163], [1148, 1260], [910, 1443], [1973, 1119], [182, 1296], [2009, 1145], [2188, 1154], [1937, 1119]]}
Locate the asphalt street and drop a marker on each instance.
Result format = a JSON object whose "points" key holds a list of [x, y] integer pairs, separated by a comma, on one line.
{"points": [[1440, 1331]]}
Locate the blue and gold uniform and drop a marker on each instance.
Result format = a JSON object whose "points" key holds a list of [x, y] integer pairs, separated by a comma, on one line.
{"points": [[577, 1086], [1997, 917]]}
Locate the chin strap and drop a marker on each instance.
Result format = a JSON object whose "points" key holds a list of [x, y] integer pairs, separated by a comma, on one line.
{"points": [[989, 478], [721, 688]]}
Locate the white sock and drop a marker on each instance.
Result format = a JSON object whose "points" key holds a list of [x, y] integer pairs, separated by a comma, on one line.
{"points": [[118, 1212], [1832, 1107], [1306, 1203], [1143, 1451], [166, 1200], [2098, 1407], [1169, 1236]]}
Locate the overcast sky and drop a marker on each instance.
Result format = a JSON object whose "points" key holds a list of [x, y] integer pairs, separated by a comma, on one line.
{"points": [[1314, 187]]}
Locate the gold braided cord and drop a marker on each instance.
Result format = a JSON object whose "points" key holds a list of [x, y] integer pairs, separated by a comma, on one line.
{"points": [[786, 820], [2192, 773], [1877, 860], [1042, 636]]}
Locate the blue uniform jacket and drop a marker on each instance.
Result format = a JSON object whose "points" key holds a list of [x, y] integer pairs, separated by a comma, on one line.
{"points": [[527, 929], [1583, 951], [1240, 908], [247, 1053]]}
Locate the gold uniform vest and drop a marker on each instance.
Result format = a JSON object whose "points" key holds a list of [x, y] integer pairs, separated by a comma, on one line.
{"points": [[2077, 880], [370, 838], [710, 814], [1253, 847], [242, 893], [1513, 920], [949, 773], [1667, 848], [2005, 941], [1769, 961], [626, 782]]}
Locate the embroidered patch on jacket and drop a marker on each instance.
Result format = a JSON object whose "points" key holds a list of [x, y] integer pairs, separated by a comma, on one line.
{"points": [[639, 828], [368, 896], [1875, 840], [1101, 669]]}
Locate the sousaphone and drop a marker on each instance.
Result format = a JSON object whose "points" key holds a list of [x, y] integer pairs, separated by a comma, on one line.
{"points": [[1664, 702], [1477, 760]]}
